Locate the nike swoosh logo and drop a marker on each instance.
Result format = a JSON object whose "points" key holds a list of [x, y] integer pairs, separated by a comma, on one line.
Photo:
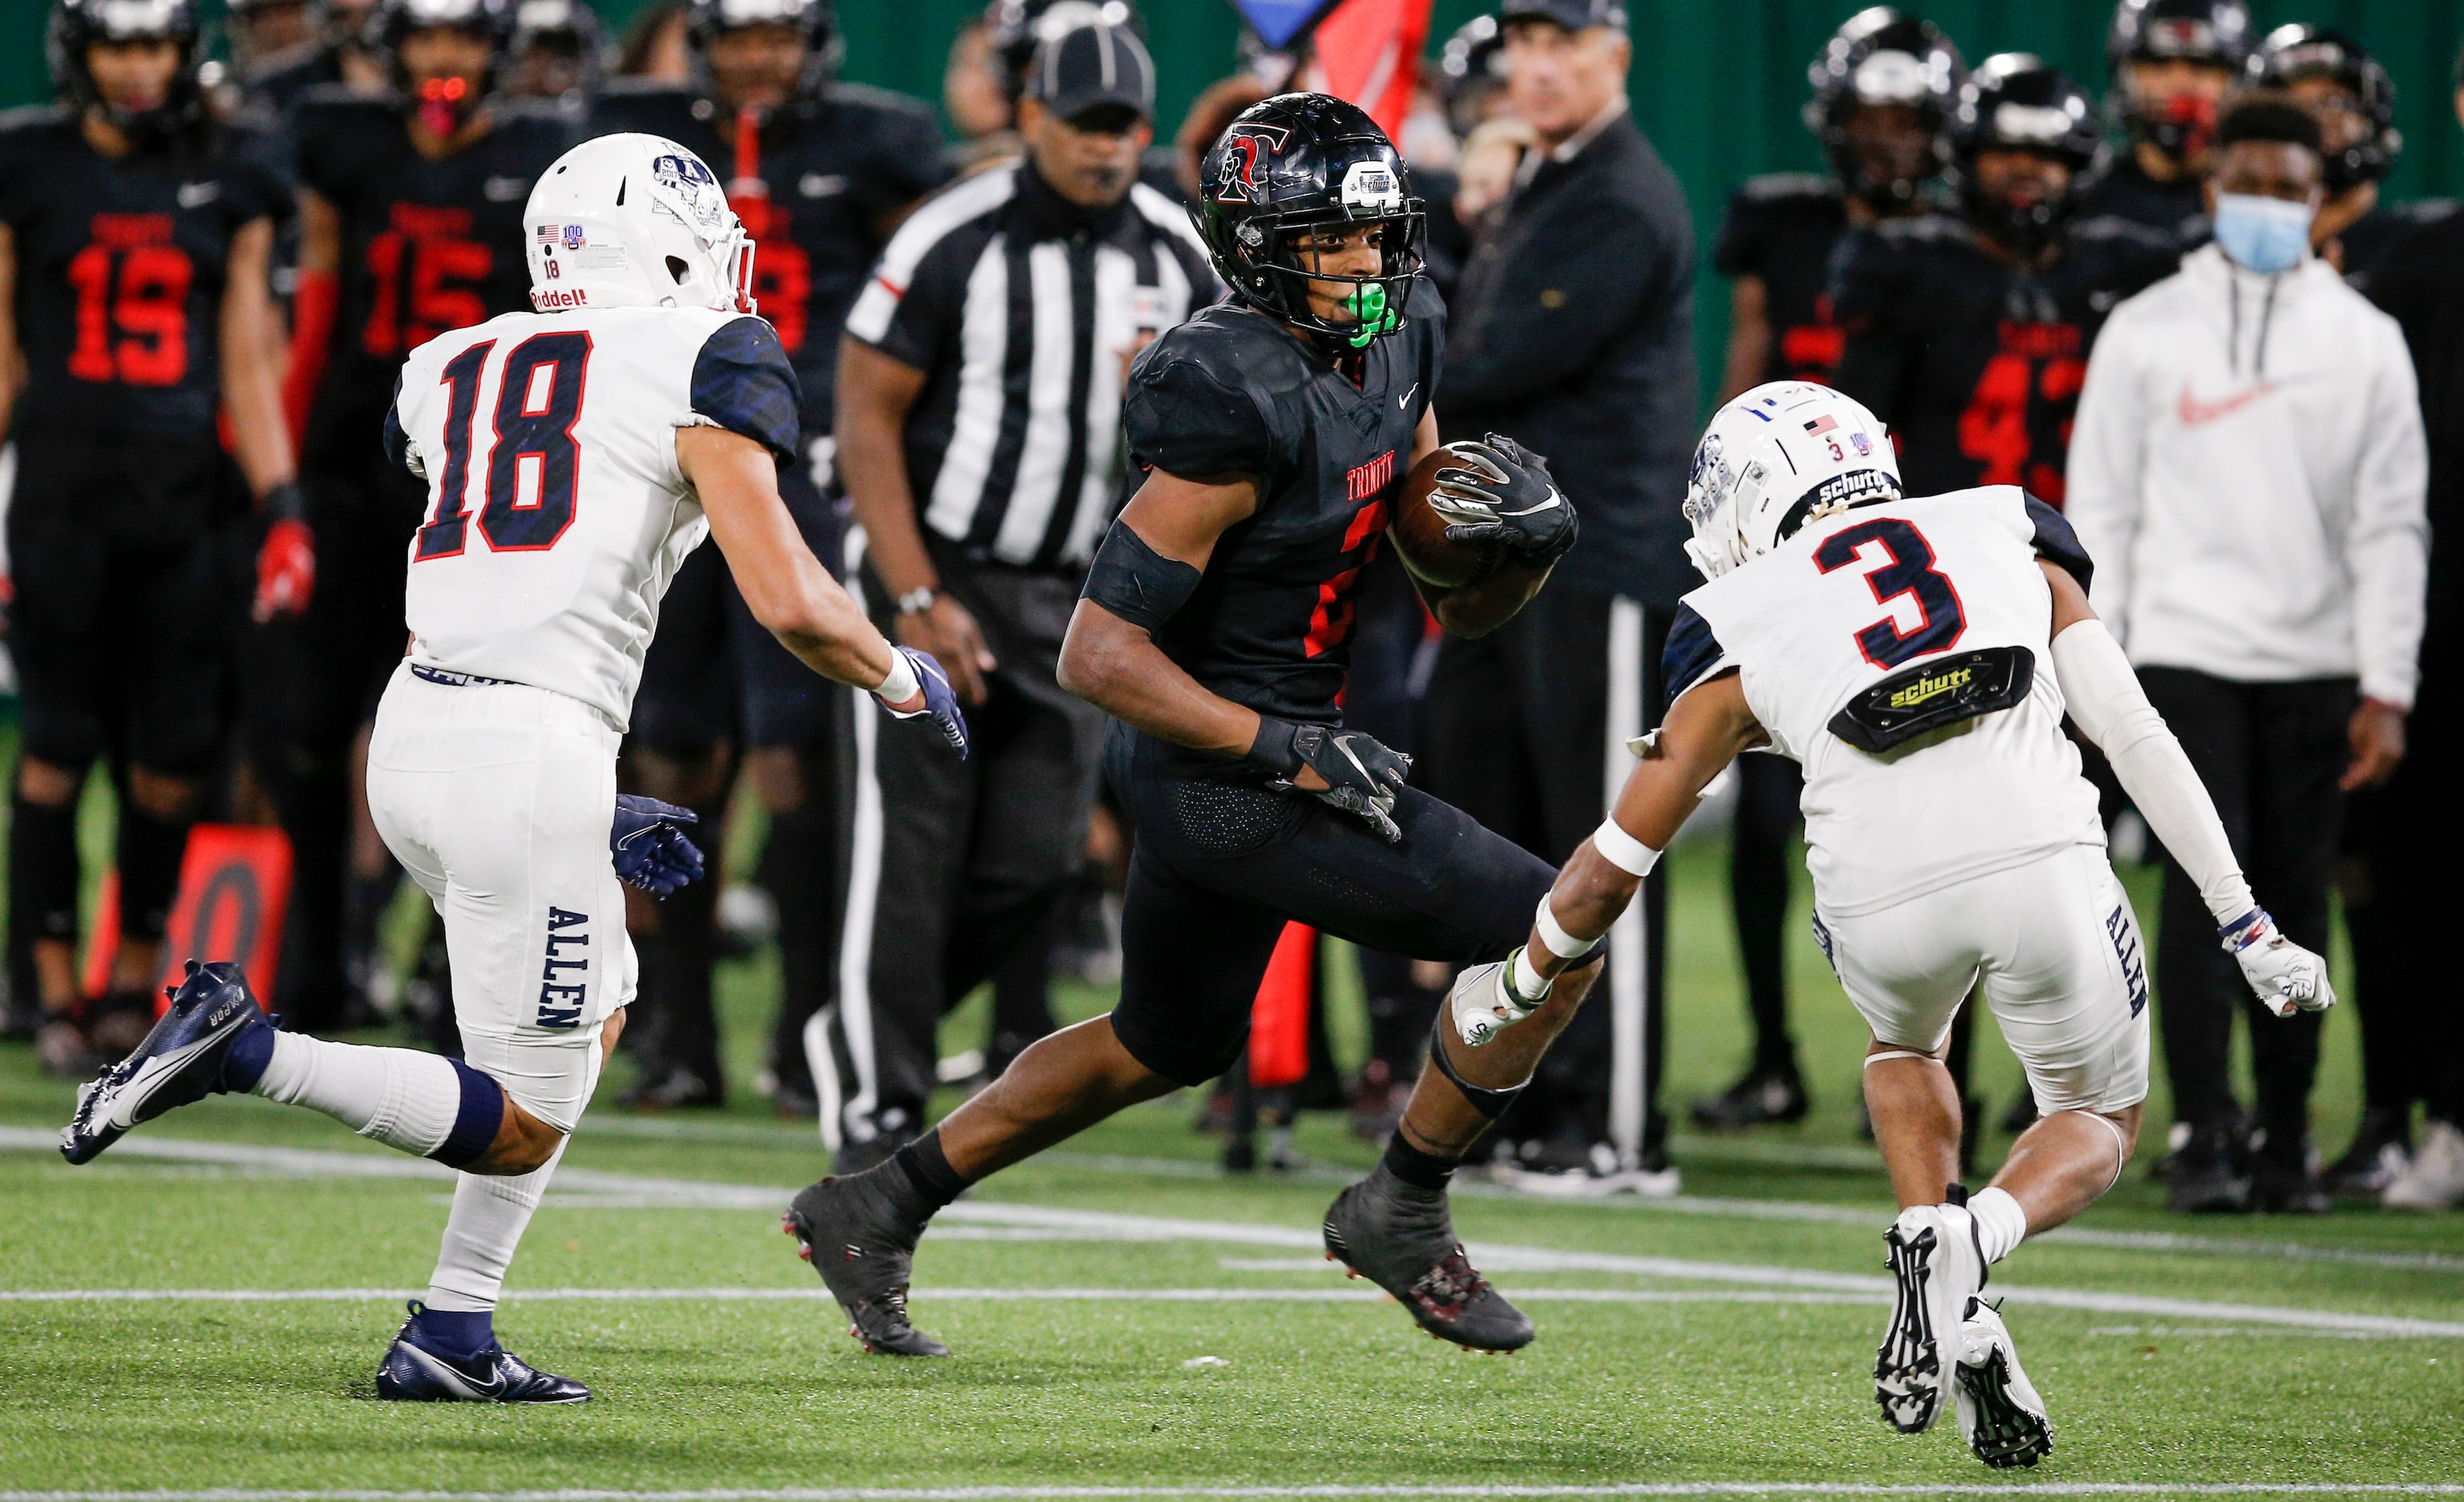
{"points": [[2195, 413], [1403, 403], [460, 1382]]}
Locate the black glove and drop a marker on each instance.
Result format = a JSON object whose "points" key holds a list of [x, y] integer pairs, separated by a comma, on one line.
{"points": [[1498, 491], [650, 845], [1361, 775]]}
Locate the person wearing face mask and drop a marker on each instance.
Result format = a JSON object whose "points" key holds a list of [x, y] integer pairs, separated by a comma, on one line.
{"points": [[2249, 468], [2172, 62], [2349, 93]]}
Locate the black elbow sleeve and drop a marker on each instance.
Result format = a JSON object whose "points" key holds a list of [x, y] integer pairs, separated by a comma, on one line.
{"points": [[1136, 582]]}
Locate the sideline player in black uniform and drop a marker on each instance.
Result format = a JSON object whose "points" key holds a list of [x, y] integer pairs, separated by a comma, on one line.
{"points": [[2349, 92], [2172, 63], [410, 208], [1884, 87], [1216, 625], [820, 172], [134, 236]]}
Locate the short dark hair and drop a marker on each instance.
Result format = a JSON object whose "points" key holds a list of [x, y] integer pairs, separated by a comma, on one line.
{"points": [[2269, 119]]}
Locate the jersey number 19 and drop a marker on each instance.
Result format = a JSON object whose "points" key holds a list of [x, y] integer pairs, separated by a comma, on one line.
{"points": [[532, 462]]}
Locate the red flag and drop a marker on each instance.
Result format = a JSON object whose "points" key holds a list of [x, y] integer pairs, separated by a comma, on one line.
{"points": [[1370, 51]]}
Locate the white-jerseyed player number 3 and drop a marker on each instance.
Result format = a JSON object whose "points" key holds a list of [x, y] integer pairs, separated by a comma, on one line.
{"points": [[532, 462], [1909, 570]]}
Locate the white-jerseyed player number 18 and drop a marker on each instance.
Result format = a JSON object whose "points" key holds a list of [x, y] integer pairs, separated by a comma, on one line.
{"points": [[533, 463]]}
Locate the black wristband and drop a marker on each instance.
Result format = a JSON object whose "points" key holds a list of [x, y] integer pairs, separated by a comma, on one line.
{"points": [[1274, 749], [283, 503]]}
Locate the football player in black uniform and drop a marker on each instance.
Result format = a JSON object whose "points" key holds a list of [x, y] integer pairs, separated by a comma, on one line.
{"points": [[2172, 62], [2349, 92], [820, 172], [134, 238], [1884, 90], [410, 208], [1969, 333], [1277, 429]]}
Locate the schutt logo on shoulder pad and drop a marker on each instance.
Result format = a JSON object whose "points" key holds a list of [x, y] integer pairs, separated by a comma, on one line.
{"points": [[1931, 688]]}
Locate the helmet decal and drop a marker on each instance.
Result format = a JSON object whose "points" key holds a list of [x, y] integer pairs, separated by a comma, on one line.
{"points": [[1242, 146], [683, 175]]}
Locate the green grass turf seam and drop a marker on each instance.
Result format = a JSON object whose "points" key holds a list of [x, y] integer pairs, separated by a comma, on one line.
{"points": [[1030, 1494]]}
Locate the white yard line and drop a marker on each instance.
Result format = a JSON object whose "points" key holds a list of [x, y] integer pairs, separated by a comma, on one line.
{"points": [[1332, 1489], [1020, 1295], [1104, 1225]]}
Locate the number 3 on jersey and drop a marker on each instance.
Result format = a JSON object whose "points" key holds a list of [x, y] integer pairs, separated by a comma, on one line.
{"points": [[532, 464], [1907, 569]]}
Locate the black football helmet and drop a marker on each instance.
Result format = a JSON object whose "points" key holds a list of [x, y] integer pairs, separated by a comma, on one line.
{"points": [[2216, 32], [556, 49], [77, 25], [1471, 69], [1881, 57], [1016, 27], [2014, 102], [2295, 51], [818, 19], [1297, 162], [394, 20]]}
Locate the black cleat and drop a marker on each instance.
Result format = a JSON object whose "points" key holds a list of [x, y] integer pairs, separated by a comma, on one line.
{"points": [[861, 1238], [1398, 1236], [179, 1063], [412, 1372], [1760, 1096]]}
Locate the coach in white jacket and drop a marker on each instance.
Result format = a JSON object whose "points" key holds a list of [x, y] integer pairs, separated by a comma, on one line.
{"points": [[2247, 470]]}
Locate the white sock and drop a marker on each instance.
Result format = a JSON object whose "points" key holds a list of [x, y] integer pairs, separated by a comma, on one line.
{"points": [[2001, 1225], [490, 1214], [402, 1098]]}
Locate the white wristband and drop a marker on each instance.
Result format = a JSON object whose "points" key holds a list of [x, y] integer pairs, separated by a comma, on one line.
{"points": [[900, 685], [1562, 944], [1624, 850], [1526, 1000]]}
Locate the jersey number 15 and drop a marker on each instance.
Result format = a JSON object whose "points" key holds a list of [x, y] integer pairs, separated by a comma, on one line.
{"points": [[532, 461]]}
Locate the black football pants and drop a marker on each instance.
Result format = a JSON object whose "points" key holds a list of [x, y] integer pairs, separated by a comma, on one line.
{"points": [[2270, 755]]}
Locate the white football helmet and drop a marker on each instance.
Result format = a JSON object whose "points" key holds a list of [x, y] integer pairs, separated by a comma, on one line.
{"points": [[635, 221], [1774, 458]]}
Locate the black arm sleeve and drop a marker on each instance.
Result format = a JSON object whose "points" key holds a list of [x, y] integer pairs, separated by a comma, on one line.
{"points": [[741, 381], [2056, 543]]}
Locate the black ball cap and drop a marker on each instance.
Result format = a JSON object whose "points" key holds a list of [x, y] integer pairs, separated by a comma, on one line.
{"points": [[1094, 72], [1573, 15]]}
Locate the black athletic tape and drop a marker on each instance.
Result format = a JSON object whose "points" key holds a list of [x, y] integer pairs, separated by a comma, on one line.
{"points": [[475, 1124], [1136, 582], [1491, 1104]]}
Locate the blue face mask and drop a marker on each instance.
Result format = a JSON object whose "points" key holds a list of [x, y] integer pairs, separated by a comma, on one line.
{"points": [[2266, 235]]}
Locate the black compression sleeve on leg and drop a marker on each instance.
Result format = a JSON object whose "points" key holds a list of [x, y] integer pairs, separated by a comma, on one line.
{"points": [[1489, 1103], [150, 852], [928, 1168], [43, 871], [1424, 1170]]}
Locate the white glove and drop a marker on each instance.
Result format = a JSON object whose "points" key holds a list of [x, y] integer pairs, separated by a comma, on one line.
{"points": [[2286, 977], [1486, 998]]}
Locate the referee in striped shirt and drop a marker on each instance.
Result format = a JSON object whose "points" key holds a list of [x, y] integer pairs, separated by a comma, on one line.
{"points": [[978, 438]]}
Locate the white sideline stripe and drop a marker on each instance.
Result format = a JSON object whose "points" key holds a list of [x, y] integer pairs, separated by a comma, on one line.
{"points": [[763, 1295], [1030, 1494], [1154, 1228]]}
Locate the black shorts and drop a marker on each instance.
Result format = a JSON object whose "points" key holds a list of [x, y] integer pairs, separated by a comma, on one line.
{"points": [[121, 625], [1221, 866], [787, 704], [687, 702]]}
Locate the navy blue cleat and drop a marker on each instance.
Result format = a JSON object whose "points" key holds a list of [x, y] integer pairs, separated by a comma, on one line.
{"points": [[412, 1372], [180, 1062]]}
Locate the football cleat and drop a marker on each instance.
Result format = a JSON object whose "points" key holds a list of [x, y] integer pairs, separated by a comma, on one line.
{"points": [[1399, 1237], [1939, 1266], [411, 1373], [862, 1241], [179, 1063], [1999, 1411]]}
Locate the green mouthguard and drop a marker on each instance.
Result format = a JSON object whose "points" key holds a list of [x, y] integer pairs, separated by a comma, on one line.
{"points": [[1368, 304]]}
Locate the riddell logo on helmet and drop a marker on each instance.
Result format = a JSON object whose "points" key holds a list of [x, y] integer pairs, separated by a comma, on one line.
{"points": [[559, 297]]}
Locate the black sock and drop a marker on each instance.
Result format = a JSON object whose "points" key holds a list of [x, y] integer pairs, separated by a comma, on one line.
{"points": [[928, 1168], [1423, 1170]]}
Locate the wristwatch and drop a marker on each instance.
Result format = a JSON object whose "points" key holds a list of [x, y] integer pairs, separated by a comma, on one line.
{"points": [[917, 601]]}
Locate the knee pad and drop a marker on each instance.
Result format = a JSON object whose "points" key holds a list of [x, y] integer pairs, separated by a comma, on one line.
{"points": [[151, 854], [43, 871], [1489, 1103]]}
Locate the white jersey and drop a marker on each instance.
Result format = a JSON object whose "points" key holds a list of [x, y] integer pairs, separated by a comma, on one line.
{"points": [[1854, 598], [556, 513]]}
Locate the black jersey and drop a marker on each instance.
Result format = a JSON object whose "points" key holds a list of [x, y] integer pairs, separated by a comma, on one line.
{"points": [[428, 245], [1782, 228], [1976, 365], [119, 270], [1231, 392], [816, 183], [2175, 210], [2371, 241]]}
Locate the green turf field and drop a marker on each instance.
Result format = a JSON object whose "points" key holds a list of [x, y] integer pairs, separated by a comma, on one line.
{"points": [[1124, 1317]]}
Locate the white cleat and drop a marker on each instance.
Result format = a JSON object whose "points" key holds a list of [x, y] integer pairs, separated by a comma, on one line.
{"points": [[1999, 1412], [1938, 1266], [2434, 1178]]}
